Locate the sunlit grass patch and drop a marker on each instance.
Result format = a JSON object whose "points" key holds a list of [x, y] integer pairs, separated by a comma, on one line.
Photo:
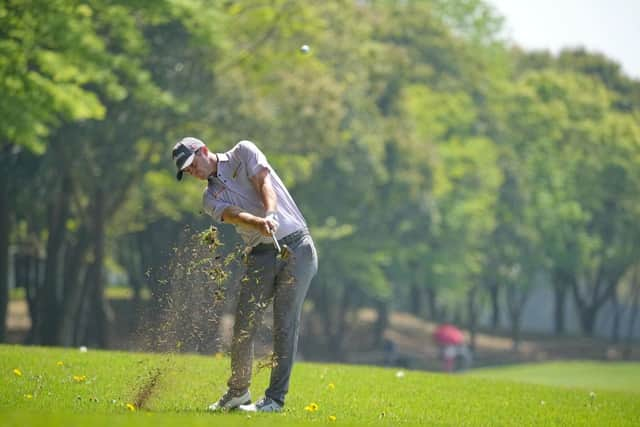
{"points": [[619, 376]]}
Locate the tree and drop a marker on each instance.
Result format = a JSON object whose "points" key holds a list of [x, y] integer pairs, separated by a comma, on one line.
{"points": [[562, 124], [50, 54]]}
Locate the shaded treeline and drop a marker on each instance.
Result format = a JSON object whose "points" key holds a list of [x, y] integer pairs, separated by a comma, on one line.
{"points": [[442, 172]]}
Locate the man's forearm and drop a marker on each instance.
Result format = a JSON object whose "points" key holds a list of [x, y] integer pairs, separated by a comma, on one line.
{"points": [[235, 215]]}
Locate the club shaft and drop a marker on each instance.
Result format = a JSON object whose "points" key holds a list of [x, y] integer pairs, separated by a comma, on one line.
{"points": [[275, 242]]}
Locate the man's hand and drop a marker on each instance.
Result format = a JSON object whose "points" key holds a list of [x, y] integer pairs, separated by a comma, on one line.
{"points": [[263, 226], [272, 221]]}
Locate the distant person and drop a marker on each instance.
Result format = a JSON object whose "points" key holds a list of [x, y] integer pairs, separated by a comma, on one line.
{"points": [[455, 357], [244, 190], [454, 352]]}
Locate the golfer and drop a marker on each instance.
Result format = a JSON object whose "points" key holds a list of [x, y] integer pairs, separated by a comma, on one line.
{"points": [[244, 190]]}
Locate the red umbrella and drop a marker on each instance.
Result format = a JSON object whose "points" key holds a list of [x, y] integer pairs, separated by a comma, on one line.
{"points": [[448, 335]]}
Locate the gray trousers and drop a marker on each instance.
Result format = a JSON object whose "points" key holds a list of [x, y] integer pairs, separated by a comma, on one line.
{"points": [[286, 283]]}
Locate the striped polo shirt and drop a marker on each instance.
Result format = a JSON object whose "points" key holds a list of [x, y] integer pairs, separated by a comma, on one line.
{"points": [[231, 186]]}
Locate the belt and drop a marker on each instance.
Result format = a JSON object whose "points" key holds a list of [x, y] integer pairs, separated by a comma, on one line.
{"points": [[286, 240]]}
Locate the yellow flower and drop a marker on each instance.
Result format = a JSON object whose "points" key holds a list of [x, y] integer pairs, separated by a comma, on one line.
{"points": [[331, 386], [17, 372], [28, 396], [332, 417], [311, 407], [79, 378], [60, 363], [219, 356], [131, 407]]}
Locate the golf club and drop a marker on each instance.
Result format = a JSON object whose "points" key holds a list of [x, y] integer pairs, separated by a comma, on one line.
{"points": [[275, 242], [283, 252]]}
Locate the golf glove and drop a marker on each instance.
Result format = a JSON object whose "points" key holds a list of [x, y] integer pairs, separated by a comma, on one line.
{"points": [[272, 217]]}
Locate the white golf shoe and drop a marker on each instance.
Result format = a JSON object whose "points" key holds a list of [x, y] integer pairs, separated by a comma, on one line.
{"points": [[228, 401], [263, 405]]}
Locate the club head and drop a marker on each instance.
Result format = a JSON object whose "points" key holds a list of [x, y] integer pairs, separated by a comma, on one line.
{"points": [[284, 252]]}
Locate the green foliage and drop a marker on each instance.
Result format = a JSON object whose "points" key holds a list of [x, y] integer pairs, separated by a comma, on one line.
{"points": [[47, 50], [421, 150]]}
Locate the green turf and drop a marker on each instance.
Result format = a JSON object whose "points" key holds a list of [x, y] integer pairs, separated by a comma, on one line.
{"points": [[47, 394], [586, 375]]}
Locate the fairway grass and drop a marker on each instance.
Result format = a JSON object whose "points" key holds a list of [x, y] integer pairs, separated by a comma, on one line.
{"points": [[65, 387], [622, 376]]}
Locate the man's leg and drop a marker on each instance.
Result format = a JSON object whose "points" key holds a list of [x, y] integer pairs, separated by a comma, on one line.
{"points": [[292, 283], [256, 289]]}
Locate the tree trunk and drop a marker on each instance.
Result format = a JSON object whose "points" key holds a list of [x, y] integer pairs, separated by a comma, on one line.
{"points": [[48, 296], [415, 304], [617, 312], [562, 282], [336, 340], [74, 289], [136, 272], [4, 242], [31, 291], [381, 323], [323, 308], [472, 310], [101, 311], [588, 320], [516, 300], [635, 290], [604, 288], [82, 318], [432, 301], [559, 304], [494, 292]]}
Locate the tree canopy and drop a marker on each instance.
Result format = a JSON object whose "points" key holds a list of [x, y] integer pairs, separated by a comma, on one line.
{"points": [[430, 158]]}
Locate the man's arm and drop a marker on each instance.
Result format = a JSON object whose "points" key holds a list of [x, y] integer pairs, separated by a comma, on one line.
{"points": [[262, 183], [235, 215]]}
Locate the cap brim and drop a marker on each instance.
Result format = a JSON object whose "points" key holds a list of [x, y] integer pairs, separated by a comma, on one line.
{"points": [[188, 162], [185, 165]]}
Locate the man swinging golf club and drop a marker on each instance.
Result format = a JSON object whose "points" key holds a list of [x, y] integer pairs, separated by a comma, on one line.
{"points": [[244, 190]]}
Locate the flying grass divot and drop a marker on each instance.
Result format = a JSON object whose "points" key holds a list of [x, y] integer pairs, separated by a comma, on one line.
{"points": [[189, 296], [146, 389]]}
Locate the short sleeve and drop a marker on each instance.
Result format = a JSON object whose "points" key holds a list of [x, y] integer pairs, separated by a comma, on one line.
{"points": [[213, 207], [253, 157]]}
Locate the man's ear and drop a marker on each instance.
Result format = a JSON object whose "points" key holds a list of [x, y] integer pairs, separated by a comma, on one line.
{"points": [[205, 151]]}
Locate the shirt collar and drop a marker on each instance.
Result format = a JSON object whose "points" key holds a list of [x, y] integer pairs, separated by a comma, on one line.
{"points": [[222, 157]]}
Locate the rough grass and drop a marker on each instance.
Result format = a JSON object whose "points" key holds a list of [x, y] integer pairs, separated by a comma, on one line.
{"points": [[175, 390]]}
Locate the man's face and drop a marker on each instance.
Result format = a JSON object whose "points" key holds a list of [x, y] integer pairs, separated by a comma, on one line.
{"points": [[199, 167]]}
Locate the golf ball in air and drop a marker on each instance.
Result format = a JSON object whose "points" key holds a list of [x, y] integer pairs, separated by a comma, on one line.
{"points": [[304, 48]]}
